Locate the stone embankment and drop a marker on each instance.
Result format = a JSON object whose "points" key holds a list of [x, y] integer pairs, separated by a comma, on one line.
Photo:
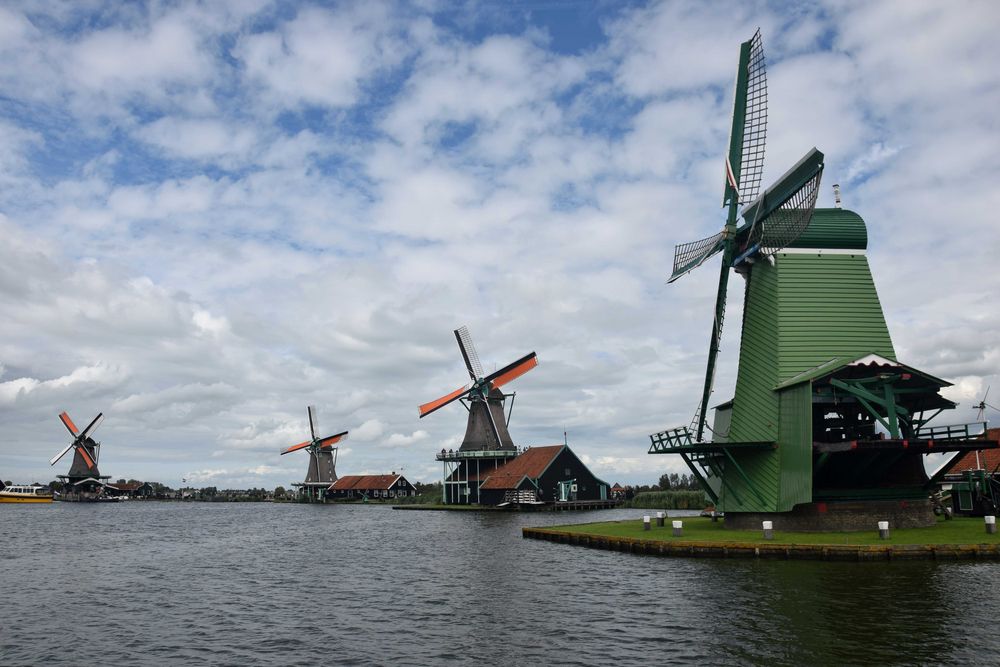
{"points": [[703, 549]]}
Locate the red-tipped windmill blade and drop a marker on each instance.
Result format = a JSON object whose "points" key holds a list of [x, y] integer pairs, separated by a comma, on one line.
{"points": [[512, 371], [439, 403], [82, 448], [295, 448], [68, 423], [330, 441]]}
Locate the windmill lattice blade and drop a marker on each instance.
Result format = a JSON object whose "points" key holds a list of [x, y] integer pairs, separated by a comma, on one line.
{"points": [[513, 371], [469, 353], [747, 134], [86, 455], [68, 423], [987, 394], [295, 448], [312, 421], [93, 425], [785, 225], [779, 216], [437, 404], [755, 122], [689, 256], [331, 440], [55, 459]]}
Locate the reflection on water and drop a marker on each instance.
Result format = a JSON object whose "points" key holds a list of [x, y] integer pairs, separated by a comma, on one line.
{"points": [[260, 583]]}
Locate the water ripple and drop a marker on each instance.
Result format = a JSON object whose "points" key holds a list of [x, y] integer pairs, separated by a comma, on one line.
{"points": [[155, 583]]}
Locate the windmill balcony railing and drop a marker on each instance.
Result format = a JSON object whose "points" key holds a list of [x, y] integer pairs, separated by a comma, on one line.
{"points": [[973, 431], [457, 455], [674, 438]]}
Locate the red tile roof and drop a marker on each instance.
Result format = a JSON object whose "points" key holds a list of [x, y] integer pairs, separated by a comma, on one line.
{"points": [[365, 482], [128, 486], [532, 463], [989, 459]]}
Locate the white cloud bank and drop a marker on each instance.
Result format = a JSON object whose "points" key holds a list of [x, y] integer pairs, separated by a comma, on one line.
{"points": [[217, 214]]}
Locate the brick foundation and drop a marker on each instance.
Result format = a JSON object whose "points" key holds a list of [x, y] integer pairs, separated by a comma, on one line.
{"points": [[839, 516]]}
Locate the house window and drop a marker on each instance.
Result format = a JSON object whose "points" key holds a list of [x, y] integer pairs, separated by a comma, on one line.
{"points": [[964, 500]]}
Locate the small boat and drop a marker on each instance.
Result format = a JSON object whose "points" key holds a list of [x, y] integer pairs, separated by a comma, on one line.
{"points": [[25, 493]]}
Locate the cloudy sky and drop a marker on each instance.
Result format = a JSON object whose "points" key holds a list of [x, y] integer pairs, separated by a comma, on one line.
{"points": [[215, 214]]}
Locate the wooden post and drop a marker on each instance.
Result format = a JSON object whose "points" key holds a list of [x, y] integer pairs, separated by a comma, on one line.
{"points": [[659, 519], [768, 527], [645, 522], [991, 524], [883, 530], [678, 528]]}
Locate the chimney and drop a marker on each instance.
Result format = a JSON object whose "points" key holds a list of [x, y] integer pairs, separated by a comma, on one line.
{"points": [[836, 195]]}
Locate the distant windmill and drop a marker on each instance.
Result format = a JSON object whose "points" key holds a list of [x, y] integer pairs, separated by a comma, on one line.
{"points": [[322, 459], [84, 481], [487, 427], [487, 443], [982, 405]]}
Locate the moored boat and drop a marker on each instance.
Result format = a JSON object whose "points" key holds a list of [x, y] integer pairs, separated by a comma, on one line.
{"points": [[25, 493]]}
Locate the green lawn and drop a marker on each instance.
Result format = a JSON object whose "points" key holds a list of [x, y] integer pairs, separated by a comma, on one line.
{"points": [[959, 530]]}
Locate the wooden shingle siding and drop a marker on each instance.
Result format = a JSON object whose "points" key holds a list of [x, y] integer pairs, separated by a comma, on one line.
{"points": [[795, 446], [800, 311]]}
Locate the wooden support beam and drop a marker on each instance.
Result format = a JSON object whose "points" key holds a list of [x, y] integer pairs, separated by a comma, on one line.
{"points": [[701, 480], [746, 478]]}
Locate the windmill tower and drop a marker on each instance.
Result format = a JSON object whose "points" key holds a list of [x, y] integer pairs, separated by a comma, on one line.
{"points": [[487, 443], [322, 470], [84, 481], [824, 420]]}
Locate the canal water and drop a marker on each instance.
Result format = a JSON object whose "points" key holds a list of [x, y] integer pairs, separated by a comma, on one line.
{"points": [[173, 583]]}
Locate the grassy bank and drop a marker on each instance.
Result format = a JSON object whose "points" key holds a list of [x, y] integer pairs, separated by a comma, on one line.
{"points": [[957, 531]]}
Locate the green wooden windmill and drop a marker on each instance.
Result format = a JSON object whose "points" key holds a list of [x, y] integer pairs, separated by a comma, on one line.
{"points": [[823, 416]]}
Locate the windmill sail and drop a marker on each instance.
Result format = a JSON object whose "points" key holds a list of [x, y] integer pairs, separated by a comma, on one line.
{"points": [[689, 256], [487, 427], [469, 353], [783, 212], [748, 135]]}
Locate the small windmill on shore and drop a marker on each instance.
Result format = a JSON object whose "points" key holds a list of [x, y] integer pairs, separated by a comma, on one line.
{"points": [[322, 471], [84, 481], [982, 405]]}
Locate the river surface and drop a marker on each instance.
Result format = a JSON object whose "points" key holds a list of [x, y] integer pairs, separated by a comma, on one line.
{"points": [[198, 583]]}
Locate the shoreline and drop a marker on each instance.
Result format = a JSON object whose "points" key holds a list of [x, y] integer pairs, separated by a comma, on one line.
{"points": [[961, 540]]}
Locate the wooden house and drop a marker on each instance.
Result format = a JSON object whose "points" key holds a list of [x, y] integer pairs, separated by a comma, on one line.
{"points": [[130, 489], [973, 479], [371, 487], [542, 474]]}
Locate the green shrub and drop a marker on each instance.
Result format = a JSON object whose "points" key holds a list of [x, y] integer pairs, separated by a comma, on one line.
{"points": [[668, 500]]}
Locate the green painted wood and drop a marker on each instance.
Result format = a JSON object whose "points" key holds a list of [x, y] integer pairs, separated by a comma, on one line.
{"points": [[761, 468], [795, 447], [828, 308], [800, 312], [834, 228]]}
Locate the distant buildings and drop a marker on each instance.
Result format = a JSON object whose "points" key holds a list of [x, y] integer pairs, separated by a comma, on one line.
{"points": [[371, 486]]}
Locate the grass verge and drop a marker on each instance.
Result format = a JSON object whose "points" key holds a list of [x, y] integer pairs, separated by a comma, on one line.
{"points": [[957, 531]]}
